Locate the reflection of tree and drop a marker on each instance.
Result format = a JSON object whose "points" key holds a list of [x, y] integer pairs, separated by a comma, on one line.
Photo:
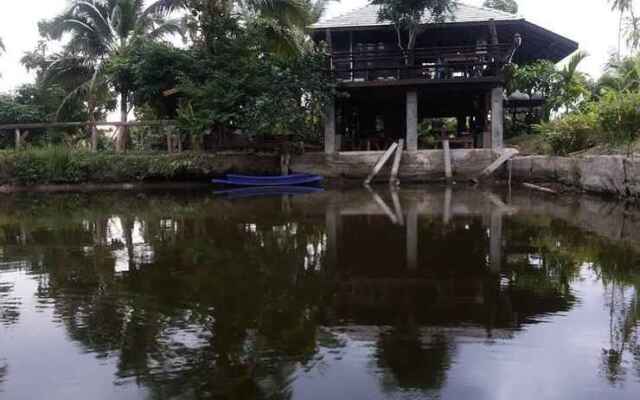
{"points": [[564, 251], [413, 360], [617, 268], [4, 370], [9, 307], [221, 309]]}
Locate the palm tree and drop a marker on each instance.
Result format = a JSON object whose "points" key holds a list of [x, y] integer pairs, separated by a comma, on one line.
{"points": [[284, 21], [622, 7], [102, 34], [621, 75], [573, 83]]}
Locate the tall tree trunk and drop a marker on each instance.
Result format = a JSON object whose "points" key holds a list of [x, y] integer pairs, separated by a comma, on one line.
{"points": [[620, 35], [123, 137], [92, 124]]}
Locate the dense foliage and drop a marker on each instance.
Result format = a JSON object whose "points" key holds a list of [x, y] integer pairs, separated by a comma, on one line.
{"points": [[563, 89], [612, 119]]}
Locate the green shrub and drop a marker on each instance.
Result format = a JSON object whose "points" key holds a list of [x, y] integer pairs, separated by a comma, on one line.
{"points": [[619, 115], [571, 133], [56, 165]]}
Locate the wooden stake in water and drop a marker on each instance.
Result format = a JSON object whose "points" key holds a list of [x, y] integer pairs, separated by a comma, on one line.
{"points": [[394, 181], [380, 164]]}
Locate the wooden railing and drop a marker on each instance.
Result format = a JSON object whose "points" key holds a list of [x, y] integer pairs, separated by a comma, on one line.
{"points": [[435, 63]]}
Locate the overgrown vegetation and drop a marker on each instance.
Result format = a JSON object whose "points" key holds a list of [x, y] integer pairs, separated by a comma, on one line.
{"points": [[58, 165], [608, 117]]}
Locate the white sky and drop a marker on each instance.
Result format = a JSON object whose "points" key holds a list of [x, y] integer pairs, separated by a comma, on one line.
{"points": [[589, 22]]}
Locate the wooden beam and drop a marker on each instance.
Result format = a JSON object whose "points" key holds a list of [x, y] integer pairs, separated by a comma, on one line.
{"points": [[46, 125], [506, 155], [380, 164], [394, 181], [18, 139]]}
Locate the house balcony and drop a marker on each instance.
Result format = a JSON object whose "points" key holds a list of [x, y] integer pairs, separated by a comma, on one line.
{"points": [[378, 66]]}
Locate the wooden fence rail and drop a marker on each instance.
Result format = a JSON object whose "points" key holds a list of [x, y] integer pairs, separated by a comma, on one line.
{"points": [[21, 130]]}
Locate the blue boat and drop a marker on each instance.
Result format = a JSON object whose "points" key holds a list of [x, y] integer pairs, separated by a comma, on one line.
{"points": [[261, 181]]}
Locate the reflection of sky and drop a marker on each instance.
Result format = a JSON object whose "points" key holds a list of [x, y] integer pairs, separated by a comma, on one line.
{"points": [[558, 359], [43, 363], [141, 251]]}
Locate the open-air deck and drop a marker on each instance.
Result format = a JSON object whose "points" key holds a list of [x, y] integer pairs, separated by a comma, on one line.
{"points": [[380, 64]]}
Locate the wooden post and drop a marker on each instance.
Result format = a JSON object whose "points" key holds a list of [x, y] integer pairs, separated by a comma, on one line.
{"points": [[394, 181], [448, 172], [412, 120], [380, 164], [497, 118], [94, 138], [330, 128], [168, 133], [285, 162], [18, 139]]}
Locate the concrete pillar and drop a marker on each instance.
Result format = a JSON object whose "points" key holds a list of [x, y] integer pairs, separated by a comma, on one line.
{"points": [[412, 120], [330, 128], [497, 118]]}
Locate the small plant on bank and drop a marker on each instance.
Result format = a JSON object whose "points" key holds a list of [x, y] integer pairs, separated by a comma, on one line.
{"points": [[572, 133]]}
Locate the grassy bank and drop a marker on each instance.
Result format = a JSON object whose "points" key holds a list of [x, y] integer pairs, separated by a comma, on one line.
{"points": [[60, 166], [538, 145]]}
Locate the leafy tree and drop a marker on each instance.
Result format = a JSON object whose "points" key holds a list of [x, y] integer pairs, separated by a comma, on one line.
{"points": [[410, 17], [620, 75], [510, 6], [284, 20], [248, 93], [622, 7], [563, 89], [102, 34]]}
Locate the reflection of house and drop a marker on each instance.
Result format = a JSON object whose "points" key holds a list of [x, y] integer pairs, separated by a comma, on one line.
{"points": [[455, 70], [436, 270]]}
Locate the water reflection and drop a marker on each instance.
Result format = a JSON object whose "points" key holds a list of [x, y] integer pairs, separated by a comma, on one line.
{"points": [[377, 294]]}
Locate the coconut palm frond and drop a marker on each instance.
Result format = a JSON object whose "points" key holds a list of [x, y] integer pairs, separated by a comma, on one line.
{"points": [[168, 28], [570, 70], [289, 13], [164, 7]]}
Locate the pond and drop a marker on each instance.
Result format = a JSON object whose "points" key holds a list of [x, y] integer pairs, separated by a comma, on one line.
{"points": [[434, 293]]}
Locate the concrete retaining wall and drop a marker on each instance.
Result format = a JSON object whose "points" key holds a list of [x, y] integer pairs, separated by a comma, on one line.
{"points": [[423, 165], [615, 175]]}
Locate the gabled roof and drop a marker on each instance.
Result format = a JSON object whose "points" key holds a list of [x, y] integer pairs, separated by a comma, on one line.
{"points": [[367, 16]]}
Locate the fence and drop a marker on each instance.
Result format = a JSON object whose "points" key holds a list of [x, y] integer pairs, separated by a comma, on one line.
{"points": [[22, 131]]}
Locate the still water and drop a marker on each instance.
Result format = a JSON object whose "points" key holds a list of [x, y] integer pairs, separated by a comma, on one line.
{"points": [[421, 294]]}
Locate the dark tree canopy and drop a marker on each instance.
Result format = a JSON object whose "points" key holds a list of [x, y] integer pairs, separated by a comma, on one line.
{"points": [[510, 6]]}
